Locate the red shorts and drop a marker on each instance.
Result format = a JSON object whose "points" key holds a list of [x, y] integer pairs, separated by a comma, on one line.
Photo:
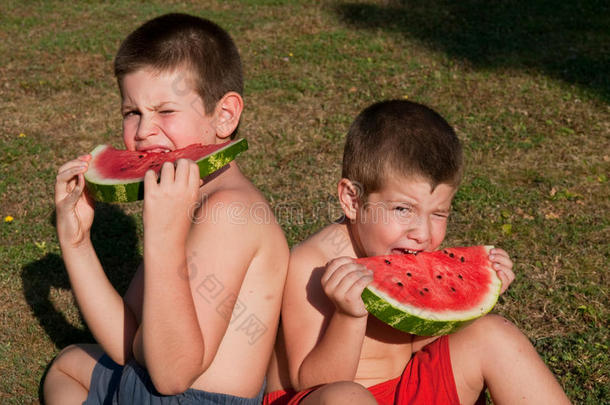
{"points": [[427, 379]]}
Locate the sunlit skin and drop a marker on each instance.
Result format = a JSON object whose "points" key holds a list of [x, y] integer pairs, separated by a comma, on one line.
{"points": [[330, 337], [165, 321], [402, 216], [162, 112]]}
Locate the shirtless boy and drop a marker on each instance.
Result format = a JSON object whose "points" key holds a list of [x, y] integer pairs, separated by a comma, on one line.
{"points": [[198, 321], [402, 165]]}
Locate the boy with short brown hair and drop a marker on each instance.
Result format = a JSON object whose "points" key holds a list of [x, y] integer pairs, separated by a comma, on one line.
{"points": [[401, 168], [198, 321]]}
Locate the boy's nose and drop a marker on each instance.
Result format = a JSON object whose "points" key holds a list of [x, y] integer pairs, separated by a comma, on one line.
{"points": [[146, 127], [419, 230]]}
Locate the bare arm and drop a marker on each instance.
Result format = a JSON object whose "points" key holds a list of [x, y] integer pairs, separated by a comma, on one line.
{"points": [[166, 216], [181, 331], [324, 319], [106, 314]]}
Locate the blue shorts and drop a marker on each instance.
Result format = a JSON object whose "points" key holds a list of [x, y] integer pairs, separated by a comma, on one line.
{"points": [[113, 384]]}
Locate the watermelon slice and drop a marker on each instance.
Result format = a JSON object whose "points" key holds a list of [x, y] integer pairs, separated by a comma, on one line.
{"points": [[432, 293], [118, 175]]}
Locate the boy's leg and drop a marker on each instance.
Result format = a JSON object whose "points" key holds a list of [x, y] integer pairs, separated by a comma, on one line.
{"points": [[340, 393], [69, 377], [492, 351]]}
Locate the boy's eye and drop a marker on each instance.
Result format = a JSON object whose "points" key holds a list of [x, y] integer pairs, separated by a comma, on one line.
{"points": [[130, 113], [402, 210], [166, 112]]}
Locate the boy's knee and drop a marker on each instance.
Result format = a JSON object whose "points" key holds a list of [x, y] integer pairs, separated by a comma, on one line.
{"points": [[346, 392], [65, 356], [77, 360], [495, 324], [494, 330]]}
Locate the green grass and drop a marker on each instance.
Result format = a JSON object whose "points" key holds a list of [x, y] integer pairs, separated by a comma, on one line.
{"points": [[526, 84]]}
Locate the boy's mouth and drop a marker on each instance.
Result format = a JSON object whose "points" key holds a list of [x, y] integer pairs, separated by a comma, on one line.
{"points": [[154, 149], [405, 251]]}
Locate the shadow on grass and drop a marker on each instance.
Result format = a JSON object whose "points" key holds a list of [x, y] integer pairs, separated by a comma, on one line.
{"points": [[114, 235], [564, 40]]}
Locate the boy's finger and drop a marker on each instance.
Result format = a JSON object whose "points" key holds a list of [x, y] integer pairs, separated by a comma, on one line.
{"points": [[167, 173], [334, 274], [150, 180], [344, 278], [76, 191], [505, 281], [333, 265], [182, 172], [346, 282], [69, 173], [360, 284], [507, 278], [501, 261], [194, 174], [70, 164], [67, 181]]}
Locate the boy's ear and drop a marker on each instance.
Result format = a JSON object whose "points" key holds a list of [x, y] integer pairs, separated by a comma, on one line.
{"points": [[228, 111], [350, 196]]}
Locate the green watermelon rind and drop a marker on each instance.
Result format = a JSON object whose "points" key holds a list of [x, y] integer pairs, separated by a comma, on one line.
{"points": [[424, 322], [120, 191]]}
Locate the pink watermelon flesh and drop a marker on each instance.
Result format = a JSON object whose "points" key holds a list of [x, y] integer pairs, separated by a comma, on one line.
{"points": [[432, 292], [124, 164], [117, 175]]}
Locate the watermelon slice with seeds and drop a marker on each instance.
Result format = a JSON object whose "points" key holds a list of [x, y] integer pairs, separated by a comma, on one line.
{"points": [[118, 175], [432, 293]]}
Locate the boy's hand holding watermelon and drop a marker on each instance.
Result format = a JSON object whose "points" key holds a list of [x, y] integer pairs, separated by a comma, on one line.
{"points": [[343, 282], [175, 193], [74, 209], [503, 266]]}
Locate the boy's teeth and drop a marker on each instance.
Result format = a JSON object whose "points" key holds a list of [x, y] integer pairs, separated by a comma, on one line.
{"points": [[407, 251]]}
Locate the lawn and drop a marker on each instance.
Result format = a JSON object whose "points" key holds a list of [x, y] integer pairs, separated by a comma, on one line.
{"points": [[525, 83]]}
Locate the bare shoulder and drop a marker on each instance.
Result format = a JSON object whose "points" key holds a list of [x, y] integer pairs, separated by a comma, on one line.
{"points": [[328, 243], [236, 210], [307, 265]]}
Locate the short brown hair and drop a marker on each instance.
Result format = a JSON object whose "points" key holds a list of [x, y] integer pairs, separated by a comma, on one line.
{"points": [[404, 138], [174, 40]]}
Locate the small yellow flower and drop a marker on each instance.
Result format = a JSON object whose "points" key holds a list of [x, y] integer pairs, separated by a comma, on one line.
{"points": [[22, 135], [8, 218], [405, 97], [290, 54]]}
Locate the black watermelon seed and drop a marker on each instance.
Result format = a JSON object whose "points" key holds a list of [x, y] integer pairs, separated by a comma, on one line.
{"points": [[444, 251], [426, 289], [460, 277], [408, 274], [399, 284], [140, 156], [451, 255], [452, 289], [439, 276], [462, 259], [387, 261], [421, 293]]}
